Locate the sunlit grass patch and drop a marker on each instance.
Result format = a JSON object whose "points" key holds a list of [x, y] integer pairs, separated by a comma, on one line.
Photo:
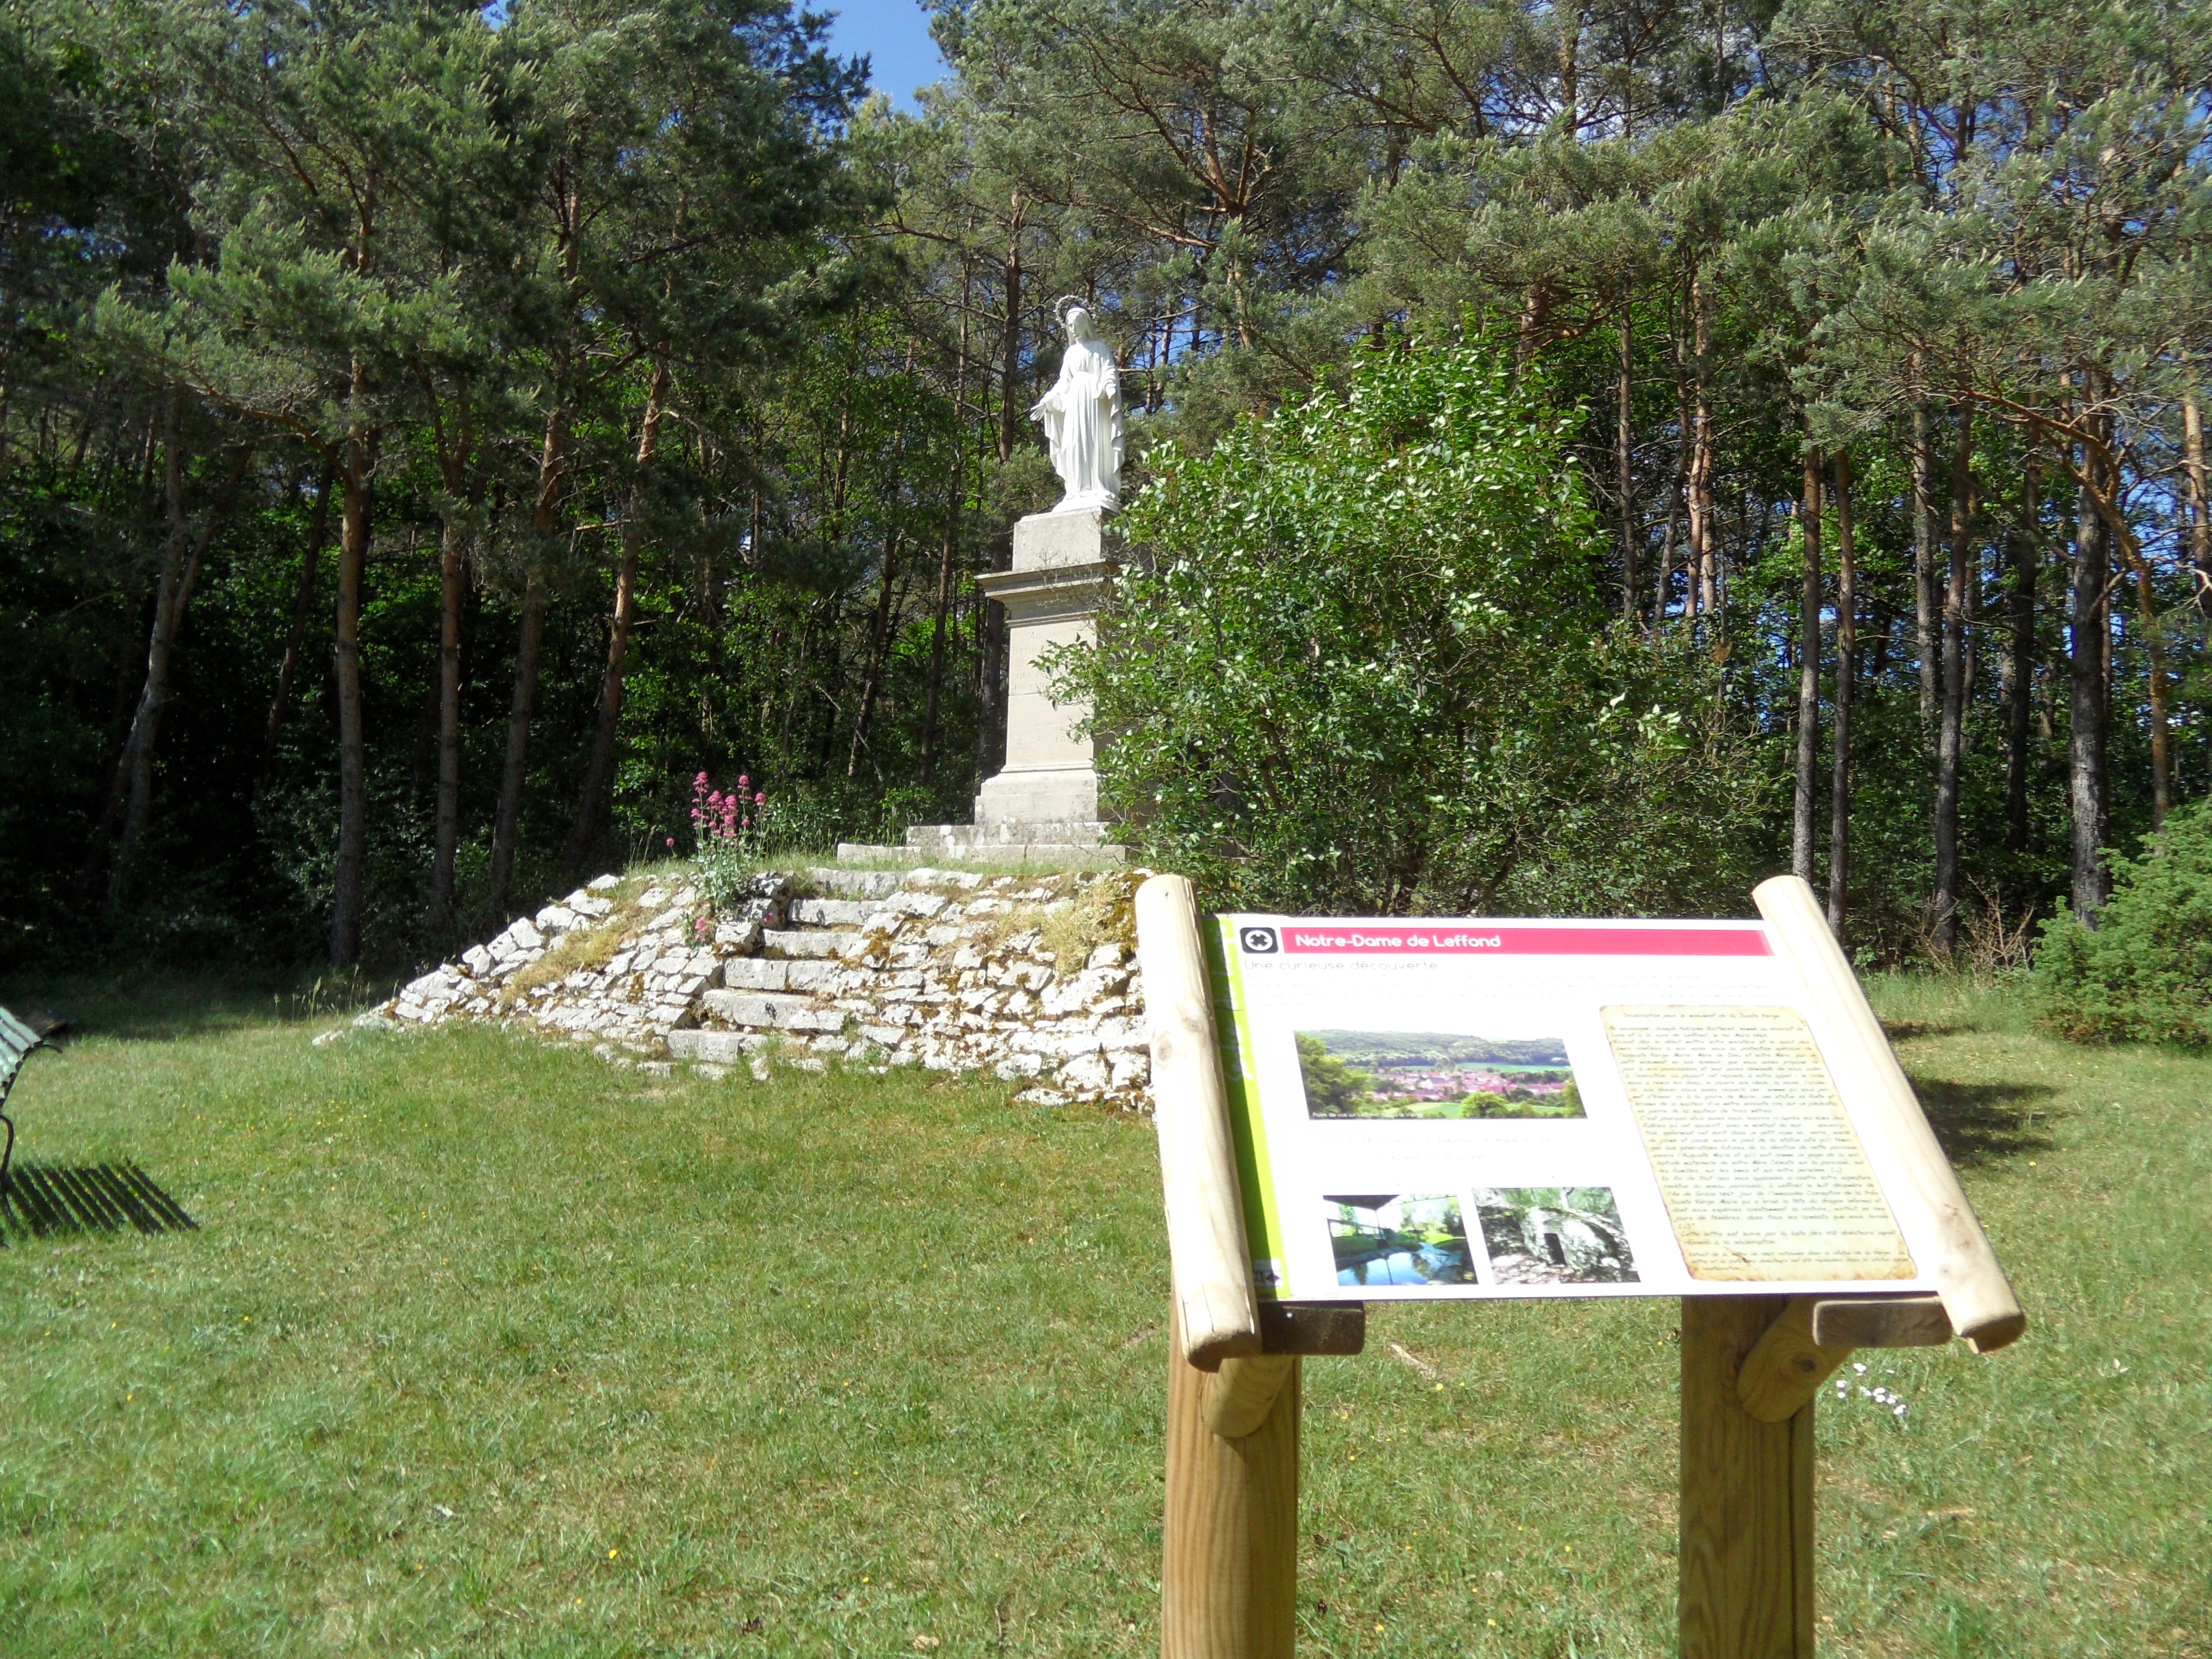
{"points": [[484, 1345]]}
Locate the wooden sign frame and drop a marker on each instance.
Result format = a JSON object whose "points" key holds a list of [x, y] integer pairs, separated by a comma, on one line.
{"points": [[1751, 1364]]}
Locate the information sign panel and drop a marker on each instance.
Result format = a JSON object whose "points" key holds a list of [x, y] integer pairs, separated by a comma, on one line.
{"points": [[1506, 1109]]}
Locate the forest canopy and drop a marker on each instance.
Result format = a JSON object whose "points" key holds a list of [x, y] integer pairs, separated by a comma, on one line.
{"points": [[432, 434]]}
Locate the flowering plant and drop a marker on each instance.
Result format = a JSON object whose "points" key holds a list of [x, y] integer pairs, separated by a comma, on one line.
{"points": [[731, 830]]}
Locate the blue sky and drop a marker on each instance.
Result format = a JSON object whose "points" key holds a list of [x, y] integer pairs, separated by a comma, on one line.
{"points": [[895, 34]]}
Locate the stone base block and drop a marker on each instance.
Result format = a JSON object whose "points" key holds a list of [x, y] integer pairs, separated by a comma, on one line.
{"points": [[714, 1048], [1032, 795], [1064, 841]]}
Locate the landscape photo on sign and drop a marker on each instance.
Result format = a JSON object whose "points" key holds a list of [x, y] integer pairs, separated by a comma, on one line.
{"points": [[1434, 1074], [1398, 1238], [1554, 1236]]}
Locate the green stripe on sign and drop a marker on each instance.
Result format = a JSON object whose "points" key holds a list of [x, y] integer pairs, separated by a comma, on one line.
{"points": [[1240, 1073]]}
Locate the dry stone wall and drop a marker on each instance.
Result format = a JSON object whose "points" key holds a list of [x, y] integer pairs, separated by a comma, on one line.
{"points": [[1030, 977]]}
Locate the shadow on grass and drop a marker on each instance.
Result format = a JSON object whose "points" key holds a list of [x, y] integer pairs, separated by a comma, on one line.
{"points": [[162, 1006], [1907, 1031], [1982, 1122], [42, 1201]]}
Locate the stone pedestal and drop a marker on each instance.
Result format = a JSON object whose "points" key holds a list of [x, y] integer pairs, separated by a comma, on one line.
{"points": [[1051, 596], [1044, 802]]}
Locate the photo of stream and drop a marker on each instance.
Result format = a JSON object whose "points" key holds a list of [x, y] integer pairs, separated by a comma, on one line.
{"points": [[1398, 1238]]}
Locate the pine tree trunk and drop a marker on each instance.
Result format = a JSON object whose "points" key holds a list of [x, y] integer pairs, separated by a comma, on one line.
{"points": [[1624, 446], [937, 636], [1010, 341], [2020, 699], [2200, 491], [888, 602], [990, 703], [303, 601], [600, 767], [942, 610], [1972, 648], [880, 634], [506, 819], [137, 741], [1701, 454], [1801, 836], [598, 770], [506, 822], [1839, 771], [1923, 571], [446, 848], [1950, 738], [456, 452], [2091, 644], [990, 741], [128, 685], [173, 594], [2161, 735], [1570, 19], [348, 891]]}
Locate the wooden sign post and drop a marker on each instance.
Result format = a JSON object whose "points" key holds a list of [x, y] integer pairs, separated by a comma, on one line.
{"points": [[1751, 1363], [1229, 1579]]}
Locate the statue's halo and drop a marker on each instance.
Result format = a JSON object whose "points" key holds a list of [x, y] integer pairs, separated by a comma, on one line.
{"points": [[1065, 303]]}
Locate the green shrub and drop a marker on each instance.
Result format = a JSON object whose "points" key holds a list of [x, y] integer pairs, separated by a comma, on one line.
{"points": [[1361, 662], [2144, 973]]}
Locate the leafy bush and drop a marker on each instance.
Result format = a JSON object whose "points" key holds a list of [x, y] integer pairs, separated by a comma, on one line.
{"points": [[2144, 973], [1360, 662], [814, 815]]}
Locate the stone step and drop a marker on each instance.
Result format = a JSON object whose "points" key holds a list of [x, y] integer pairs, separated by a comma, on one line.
{"points": [[780, 1011], [776, 974], [859, 884], [790, 942], [832, 912], [716, 1048]]}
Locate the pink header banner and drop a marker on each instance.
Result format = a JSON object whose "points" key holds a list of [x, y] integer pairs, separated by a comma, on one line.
{"points": [[1457, 938]]}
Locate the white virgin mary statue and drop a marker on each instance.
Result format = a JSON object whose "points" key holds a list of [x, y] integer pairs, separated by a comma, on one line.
{"points": [[1081, 416]]}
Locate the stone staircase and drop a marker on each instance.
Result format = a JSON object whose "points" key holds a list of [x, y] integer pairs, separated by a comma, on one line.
{"points": [[954, 971], [1029, 975]]}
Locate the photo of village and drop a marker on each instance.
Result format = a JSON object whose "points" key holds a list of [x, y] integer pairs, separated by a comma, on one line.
{"points": [[1398, 1238], [1435, 1074], [1554, 1236]]}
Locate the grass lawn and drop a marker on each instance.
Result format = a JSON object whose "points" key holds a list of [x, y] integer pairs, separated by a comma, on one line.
{"points": [[482, 1347]]}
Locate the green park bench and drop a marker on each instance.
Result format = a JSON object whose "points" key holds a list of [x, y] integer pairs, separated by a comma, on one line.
{"points": [[16, 1041]]}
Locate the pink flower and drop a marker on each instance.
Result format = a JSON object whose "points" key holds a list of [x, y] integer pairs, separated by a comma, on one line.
{"points": [[699, 782], [672, 843], [761, 799], [743, 783]]}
